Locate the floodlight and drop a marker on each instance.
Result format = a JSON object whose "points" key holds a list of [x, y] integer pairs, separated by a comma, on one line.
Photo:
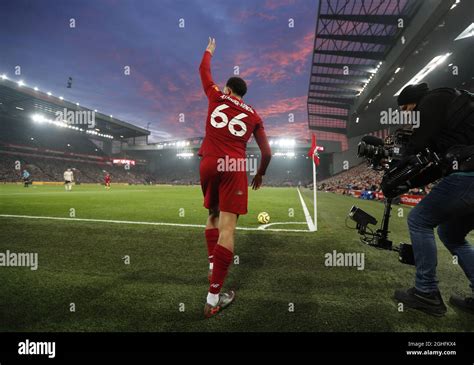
{"points": [[435, 62]]}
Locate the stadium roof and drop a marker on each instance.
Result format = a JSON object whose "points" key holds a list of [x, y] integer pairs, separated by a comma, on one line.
{"points": [[437, 48], [352, 39], [18, 100]]}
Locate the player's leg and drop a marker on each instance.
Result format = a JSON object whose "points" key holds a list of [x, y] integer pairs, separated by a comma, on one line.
{"points": [[212, 235], [223, 256], [227, 226], [210, 190], [213, 218], [233, 189]]}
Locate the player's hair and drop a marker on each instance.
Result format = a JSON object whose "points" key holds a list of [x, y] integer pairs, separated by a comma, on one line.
{"points": [[237, 85]]}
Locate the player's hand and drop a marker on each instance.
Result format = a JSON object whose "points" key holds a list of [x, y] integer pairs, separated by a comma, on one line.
{"points": [[211, 46], [257, 182]]}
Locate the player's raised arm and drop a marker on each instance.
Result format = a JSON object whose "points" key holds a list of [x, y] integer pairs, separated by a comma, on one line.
{"points": [[266, 152], [205, 68]]}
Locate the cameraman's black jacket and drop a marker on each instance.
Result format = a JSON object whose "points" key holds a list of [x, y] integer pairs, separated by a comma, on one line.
{"points": [[435, 132]]}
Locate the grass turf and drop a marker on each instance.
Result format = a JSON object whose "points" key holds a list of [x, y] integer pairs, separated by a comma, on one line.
{"points": [[164, 286]]}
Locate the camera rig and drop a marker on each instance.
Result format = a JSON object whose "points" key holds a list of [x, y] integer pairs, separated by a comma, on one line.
{"points": [[398, 172], [379, 238], [379, 152]]}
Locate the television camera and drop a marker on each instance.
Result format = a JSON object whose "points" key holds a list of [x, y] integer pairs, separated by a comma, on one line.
{"points": [[386, 156]]}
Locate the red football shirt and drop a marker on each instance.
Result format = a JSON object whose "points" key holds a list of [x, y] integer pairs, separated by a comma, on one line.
{"points": [[230, 122]]}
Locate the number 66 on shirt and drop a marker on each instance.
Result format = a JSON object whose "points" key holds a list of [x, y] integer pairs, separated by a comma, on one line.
{"points": [[237, 120]]}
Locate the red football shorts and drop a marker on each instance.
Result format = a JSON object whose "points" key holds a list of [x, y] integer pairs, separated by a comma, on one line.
{"points": [[227, 190]]}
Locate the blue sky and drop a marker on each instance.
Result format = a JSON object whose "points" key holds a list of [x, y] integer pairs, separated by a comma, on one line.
{"points": [[110, 34]]}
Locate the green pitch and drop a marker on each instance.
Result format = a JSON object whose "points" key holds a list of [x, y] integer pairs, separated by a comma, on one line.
{"points": [[100, 275]]}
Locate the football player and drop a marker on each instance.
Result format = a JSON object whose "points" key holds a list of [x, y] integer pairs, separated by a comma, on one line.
{"points": [[229, 125], [68, 179], [107, 181]]}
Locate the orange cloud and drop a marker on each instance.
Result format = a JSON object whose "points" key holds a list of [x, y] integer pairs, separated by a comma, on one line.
{"points": [[274, 4], [246, 15], [147, 87], [290, 130], [296, 59], [283, 106], [272, 64], [172, 86]]}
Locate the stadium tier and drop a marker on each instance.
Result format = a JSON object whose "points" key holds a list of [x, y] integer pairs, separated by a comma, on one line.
{"points": [[47, 150]]}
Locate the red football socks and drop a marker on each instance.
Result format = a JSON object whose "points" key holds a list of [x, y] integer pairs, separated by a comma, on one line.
{"points": [[222, 260], [212, 235]]}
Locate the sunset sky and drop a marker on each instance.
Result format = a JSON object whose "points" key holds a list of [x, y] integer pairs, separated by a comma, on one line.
{"points": [[144, 34]]}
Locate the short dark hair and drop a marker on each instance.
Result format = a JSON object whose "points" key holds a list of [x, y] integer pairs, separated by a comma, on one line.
{"points": [[237, 85]]}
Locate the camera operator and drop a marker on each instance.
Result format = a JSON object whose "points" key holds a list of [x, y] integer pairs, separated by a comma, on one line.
{"points": [[448, 206]]}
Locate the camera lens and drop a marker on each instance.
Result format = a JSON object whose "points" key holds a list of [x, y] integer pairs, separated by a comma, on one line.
{"points": [[361, 149]]}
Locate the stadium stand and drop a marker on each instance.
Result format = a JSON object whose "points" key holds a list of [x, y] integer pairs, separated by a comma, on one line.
{"points": [[50, 169], [47, 153], [357, 178], [360, 179]]}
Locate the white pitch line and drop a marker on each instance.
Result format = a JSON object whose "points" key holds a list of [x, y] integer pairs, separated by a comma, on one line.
{"points": [[309, 220], [143, 223], [264, 226], [72, 192]]}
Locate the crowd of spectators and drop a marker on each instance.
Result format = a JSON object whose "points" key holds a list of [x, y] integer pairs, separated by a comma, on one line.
{"points": [[49, 169], [357, 178], [363, 179]]}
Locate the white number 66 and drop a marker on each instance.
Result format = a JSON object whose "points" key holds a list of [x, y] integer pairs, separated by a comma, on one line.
{"points": [[225, 120]]}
